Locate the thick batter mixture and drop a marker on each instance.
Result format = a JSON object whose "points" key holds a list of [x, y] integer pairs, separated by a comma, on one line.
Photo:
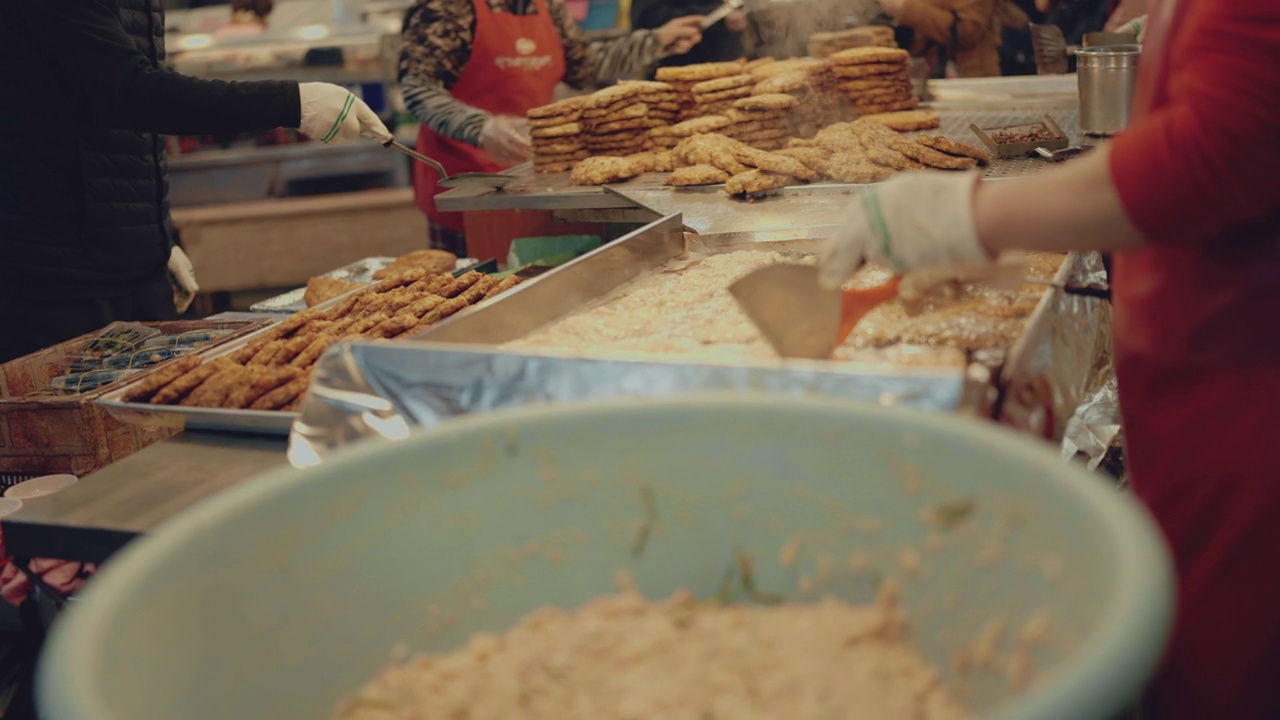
{"points": [[685, 308], [622, 657]]}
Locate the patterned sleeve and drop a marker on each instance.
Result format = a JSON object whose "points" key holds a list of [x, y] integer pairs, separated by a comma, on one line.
{"points": [[588, 64], [435, 46]]}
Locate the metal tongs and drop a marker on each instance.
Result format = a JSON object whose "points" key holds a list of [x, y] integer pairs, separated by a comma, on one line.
{"points": [[722, 12], [485, 180]]}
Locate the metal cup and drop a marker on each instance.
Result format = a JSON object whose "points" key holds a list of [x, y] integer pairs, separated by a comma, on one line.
{"points": [[1107, 77]]}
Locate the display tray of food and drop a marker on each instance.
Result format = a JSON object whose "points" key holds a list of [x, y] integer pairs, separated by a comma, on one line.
{"points": [[651, 314], [360, 273], [752, 130], [49, 422], [256, 384]]}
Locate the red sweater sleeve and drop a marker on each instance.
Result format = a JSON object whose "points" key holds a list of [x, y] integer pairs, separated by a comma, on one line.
{"points": [[1202, 162]]}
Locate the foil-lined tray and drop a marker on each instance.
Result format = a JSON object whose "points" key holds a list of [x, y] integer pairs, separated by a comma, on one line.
{"points": [[455, 368]]}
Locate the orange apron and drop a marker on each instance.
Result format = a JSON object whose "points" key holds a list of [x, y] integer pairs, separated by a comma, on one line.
{"points": [[516, 62], [1198, 364]]}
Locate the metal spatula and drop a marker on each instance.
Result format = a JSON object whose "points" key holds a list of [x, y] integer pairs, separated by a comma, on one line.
{"points": [[722, 12], [797, 316], [488, 180]]}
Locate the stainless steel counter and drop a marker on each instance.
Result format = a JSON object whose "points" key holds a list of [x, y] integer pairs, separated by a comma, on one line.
{"points": [[93, 519]]}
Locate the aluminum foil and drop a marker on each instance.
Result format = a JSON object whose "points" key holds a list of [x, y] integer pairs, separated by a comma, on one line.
{"points": [[377, 390], [1094, 431], [1061, 359]]}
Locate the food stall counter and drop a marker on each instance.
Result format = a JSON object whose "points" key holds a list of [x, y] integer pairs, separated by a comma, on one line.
{"points": [[93, 519]]}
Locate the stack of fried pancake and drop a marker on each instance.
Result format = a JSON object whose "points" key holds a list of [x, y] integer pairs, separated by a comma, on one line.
{"points": [[683, 78], [557, 135], [824, 44], [762, 121], [668, 137], [875, 80], [715, 97], [617, 120]]}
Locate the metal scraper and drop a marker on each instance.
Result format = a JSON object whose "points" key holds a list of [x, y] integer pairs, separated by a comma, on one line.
{"points": [[495, 181], [797, 316]]}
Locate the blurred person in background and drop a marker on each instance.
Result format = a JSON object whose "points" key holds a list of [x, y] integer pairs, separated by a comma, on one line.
{"points": [[963, 32], [471, 69], [721, 42], [1017, 53], [85, 234], [248, 18], [1076, 18]]}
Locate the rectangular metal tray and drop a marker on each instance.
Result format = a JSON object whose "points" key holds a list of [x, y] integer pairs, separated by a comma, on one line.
{"points": [[468, 373], [258, 422]]}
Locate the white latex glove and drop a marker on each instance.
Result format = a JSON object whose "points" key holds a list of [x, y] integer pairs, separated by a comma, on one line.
{"points": [[182, 276], [507, 139], [331, 114], [916, 219]]}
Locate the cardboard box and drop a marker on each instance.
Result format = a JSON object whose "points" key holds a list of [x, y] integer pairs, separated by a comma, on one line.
{"points": [[45, 434]]}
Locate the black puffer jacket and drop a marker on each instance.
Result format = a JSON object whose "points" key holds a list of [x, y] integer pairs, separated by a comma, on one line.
{"points": [[83, 99]]}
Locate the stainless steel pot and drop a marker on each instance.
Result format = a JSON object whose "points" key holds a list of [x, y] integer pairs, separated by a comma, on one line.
{"points": [[1107, 77]]}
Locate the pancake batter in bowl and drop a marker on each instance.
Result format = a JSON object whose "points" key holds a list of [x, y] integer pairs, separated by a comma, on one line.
{"points": [[622, 656]]}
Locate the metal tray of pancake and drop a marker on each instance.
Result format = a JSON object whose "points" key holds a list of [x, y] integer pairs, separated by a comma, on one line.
{"points": [[258, 422], [360, 271]]}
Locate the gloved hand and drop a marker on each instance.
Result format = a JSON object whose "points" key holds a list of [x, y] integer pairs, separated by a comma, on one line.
{"points": [[507, 139], [736, 21], [182, 276], [330, 114], [1136, 27], [679, 36], [916, 219]]}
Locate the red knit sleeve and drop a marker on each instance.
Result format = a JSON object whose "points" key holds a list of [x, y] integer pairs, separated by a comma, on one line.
{"points": [[1206, 161]]}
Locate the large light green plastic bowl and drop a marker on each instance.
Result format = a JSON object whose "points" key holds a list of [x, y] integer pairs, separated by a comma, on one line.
{"points": [[276, 598]]}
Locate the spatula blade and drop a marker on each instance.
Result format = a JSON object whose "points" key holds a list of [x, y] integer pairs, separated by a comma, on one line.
{"points": [[796, 315], [495, 181]]}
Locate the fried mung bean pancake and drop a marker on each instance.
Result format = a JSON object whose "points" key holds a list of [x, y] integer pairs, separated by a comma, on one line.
{"points": [[955, 147], [696, 175], [603, 170]]}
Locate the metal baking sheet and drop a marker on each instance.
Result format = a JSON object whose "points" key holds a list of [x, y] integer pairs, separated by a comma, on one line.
{"points": [[541, 191], [260, 422], [360, 271]]}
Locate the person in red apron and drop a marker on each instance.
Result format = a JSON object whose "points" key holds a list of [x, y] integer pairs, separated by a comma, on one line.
{"points": [[1186, 198], [471, 69]]}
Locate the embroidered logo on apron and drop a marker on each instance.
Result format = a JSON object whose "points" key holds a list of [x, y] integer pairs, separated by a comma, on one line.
{"points": [[524, 58]]}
